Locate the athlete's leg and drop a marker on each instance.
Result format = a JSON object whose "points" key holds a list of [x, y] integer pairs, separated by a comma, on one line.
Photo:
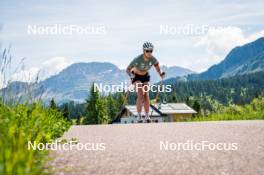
{"points": [[146, 99], [138, 86]]}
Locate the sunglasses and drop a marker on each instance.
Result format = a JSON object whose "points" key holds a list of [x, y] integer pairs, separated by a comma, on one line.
{"points": [[148, 51]]}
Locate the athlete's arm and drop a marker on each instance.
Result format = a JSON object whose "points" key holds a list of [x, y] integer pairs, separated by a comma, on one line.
{"points": [[129, 70], [157, 67]]}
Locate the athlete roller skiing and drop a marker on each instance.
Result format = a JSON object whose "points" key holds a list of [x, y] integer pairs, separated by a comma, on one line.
{"points": [[138, 73]]}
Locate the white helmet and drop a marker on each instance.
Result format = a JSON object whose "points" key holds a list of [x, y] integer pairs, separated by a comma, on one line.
{"points": [[148, 46]]}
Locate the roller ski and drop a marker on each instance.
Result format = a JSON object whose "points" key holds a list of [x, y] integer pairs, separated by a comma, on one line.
{"points": [[139, 119], [147, 119]]}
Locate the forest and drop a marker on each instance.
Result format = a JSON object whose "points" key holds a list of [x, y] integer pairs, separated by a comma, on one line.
{"points": [[205, 96]]}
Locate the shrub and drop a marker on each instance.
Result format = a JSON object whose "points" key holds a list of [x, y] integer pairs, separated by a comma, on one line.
{"points": [[21, 123], [254, 110]]}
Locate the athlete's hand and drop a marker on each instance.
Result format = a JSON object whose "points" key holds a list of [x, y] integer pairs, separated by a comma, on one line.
{"points": [[162, 75], [131, 75]]}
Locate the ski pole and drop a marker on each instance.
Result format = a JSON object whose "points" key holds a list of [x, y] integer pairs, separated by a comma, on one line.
{"points": [[157, 96]]}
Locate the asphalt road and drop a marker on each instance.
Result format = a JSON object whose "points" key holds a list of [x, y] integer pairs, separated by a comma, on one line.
{"points": [[137, 149]]}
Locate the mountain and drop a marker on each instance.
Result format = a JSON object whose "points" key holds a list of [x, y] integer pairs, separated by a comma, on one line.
{"points": [[171, 72], [15, 90], [239, 89], [73, 83], [245, 59], [255, 64]]}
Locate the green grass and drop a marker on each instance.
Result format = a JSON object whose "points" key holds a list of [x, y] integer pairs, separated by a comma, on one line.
{"points": [[252, 111], [22, 123]]}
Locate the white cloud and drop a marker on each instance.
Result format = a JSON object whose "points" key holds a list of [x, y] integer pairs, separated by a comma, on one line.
{"points": [[219, 41], [53, 66], [46, 69], [26, 75], [125, 29], [255, 36]]}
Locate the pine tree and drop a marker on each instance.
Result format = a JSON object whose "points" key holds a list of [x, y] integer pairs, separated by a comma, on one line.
{"points": [[174, 97], [188, 101], [53, 104], [96, 108], [196, 106], [66, 112], [111, 106], [92, 112], [101, 107], [120, 100]]}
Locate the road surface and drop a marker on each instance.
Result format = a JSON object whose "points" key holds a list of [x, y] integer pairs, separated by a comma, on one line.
{"points": [[150, 149]]}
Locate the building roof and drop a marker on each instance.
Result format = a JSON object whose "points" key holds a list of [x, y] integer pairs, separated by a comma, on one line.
{"points": [[133, 110], [174, 108], [157, 110], [168, 108]]}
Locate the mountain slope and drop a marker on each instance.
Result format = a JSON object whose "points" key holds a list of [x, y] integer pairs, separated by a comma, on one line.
{"points": [[255, 64], [240, 60], [74, 82], [173, 71], [239, 89]]}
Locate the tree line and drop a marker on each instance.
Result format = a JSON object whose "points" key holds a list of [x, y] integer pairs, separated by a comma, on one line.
{"points": [[205, 96], [97, 109]]}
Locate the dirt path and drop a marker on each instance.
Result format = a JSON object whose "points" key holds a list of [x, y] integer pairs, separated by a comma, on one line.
{"points": [[135, 149]]}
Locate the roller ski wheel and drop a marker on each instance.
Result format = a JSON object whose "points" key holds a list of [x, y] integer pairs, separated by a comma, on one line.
{"points": [[140, 121], [148, 120]]}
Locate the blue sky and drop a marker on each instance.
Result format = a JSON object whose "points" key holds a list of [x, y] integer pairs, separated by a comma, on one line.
{"points": [[127, 25]]}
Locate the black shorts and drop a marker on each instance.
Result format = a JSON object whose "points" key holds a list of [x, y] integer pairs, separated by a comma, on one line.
{"points": [[142, 78]]}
